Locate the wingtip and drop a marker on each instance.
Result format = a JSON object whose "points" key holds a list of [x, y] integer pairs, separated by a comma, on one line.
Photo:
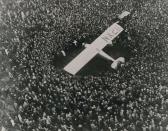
{"points": [[68, 71]]}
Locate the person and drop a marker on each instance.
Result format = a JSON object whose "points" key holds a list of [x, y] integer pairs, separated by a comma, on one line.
{"points": [[63, 52]]}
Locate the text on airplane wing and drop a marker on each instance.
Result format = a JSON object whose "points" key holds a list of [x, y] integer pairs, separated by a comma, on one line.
{"points": [[88, 53]]}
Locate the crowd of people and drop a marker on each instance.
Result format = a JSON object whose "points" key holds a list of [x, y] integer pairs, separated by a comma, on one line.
{"points": [[133, 98]]}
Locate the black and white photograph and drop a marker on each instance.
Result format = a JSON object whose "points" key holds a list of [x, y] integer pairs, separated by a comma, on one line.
{"points": [[83, 65]]}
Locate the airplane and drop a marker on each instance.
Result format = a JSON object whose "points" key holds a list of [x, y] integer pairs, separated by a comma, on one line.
{"points": [[91, 50]]}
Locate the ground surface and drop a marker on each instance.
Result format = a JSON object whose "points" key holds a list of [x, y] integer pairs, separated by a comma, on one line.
{"points": [[35, 94]]}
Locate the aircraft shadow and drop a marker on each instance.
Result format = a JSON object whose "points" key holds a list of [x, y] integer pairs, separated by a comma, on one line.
{"points": [[97, 65]]}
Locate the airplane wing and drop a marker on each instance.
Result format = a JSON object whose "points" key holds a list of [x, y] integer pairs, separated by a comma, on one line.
{"points": [[88, 53]]}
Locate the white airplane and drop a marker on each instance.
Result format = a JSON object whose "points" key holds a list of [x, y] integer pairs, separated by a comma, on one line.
{"points": [[91, 50]]}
